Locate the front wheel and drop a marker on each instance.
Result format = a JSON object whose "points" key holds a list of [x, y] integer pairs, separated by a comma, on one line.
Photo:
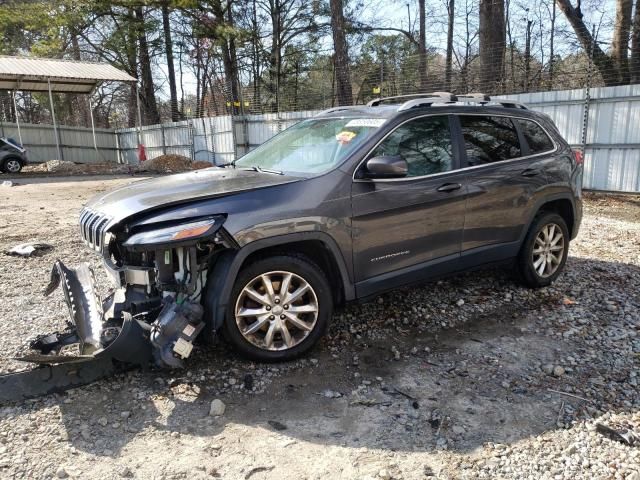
{"points": [[12, 165], [545, 250], [279, 308]]}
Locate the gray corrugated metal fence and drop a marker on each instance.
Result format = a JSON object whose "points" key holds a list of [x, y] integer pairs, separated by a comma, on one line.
{"points": [[207, 139], [612, 149], [76, 143], [214, 139]]}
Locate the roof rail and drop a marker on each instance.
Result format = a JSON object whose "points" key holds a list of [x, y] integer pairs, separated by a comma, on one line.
{"points": [[475, 97], [484, 99], [509, 103], [443, 96], [427, 101], [337, 109]]}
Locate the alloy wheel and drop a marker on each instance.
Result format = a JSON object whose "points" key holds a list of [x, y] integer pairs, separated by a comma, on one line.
{"points": [[548, 250], [276, 310], [12, 166]]}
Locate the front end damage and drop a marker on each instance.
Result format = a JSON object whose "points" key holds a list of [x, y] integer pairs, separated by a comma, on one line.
{"points": [[153, 312]]}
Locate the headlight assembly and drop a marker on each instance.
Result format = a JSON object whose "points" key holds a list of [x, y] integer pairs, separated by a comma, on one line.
{"points": [[176, 234]]}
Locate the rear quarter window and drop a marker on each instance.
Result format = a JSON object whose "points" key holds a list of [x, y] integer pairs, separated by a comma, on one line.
{"points": [[536, 137]]}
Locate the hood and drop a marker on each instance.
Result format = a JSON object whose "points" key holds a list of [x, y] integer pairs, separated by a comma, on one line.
{"points": [[170, 190]]}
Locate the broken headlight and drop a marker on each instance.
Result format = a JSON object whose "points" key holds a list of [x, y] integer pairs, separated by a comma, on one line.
{"points": [[176, 234]]}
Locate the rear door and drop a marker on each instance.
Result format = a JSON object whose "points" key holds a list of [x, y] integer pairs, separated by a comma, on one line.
{"points": [[400, 225], [503, 179]]}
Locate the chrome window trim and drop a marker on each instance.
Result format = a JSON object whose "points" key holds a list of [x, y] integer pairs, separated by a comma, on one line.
{"points": [[433, 175]]}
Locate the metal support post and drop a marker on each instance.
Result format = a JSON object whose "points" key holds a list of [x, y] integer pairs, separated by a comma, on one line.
{"points": [[15, 108], [55, 125]]}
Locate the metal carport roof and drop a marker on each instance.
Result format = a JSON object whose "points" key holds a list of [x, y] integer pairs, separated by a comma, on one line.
{"points": [[44, 74], [60, 76]]}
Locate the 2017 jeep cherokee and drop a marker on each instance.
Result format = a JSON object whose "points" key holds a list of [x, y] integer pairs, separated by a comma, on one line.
{"points": [[351, 203]]}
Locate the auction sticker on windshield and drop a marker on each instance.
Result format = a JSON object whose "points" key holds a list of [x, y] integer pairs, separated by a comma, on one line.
{"points": [[366, 122]]}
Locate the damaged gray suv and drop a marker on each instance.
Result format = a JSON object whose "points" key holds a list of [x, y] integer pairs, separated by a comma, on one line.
{"points": [[341, 207]]}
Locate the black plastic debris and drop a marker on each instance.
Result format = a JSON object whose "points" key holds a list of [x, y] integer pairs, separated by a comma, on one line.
{"points": [[29, 249], [277, 425], [621, 434]]}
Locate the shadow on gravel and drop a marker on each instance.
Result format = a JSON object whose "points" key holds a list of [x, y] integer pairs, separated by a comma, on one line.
{"points": [[413, 372]]}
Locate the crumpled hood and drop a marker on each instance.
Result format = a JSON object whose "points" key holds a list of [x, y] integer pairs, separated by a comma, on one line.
{"points": [[169, 190]]}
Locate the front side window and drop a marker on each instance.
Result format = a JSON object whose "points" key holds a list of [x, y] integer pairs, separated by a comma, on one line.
{"points": [[536, 137], [311, 147], [425, 143], [489, 139]]}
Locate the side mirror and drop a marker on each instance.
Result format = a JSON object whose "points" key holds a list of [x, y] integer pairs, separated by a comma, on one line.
{"points": [[386, 166]]}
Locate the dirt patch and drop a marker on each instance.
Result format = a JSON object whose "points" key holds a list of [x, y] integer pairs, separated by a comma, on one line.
{"points": [[166, 164], [162, 164]]}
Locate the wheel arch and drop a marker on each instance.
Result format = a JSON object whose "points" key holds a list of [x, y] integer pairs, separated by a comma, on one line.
{"points": [[560, 203], [317, 246]]}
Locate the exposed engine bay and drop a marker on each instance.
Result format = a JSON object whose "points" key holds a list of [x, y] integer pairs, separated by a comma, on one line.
{"points": [[159, 273]]}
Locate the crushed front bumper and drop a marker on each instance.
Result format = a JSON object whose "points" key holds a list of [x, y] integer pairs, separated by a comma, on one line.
{"points": [[102, 350], [125, 339]]}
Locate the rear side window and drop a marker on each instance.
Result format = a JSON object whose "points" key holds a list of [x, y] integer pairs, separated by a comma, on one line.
{"points": [[489, 139], [536, 137]]}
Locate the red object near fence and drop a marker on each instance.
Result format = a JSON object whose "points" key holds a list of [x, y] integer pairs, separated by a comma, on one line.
{"points": [[142, 153]]}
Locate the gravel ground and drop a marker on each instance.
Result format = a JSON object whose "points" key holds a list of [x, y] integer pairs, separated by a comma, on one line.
{"points": [[470, 377]]}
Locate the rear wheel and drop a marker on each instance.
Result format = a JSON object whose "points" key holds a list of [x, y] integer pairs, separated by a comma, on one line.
{"points": [[12, 165], [545, 250], [279, 308]]}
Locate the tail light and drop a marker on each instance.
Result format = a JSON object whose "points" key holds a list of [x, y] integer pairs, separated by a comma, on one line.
{"points": [[578, 156]]}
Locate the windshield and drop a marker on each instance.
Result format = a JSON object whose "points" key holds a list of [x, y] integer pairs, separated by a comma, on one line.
{"points": [[311, 147]]}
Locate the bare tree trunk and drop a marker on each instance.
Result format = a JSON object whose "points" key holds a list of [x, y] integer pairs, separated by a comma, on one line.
{"points": [[168, 45], [449, 58], [80, 103], [199, 75], [275, 57], [256, 56], [180, 67], [527, 56], [634, 64], [422, 45], [510, 44], [151, 108], [620, 44], [552, 46], [132, 63], [602, 61], [341, 57], [231, 61], [492, 44]]}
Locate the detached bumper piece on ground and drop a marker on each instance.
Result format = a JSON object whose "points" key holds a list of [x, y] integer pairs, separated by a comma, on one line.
{"points": [[102, 337]]}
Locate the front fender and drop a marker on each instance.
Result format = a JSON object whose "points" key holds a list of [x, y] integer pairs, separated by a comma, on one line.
{"points": [[224, 272]]}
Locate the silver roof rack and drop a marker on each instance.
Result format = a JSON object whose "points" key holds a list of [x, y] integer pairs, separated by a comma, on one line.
{"points": [[434, 97], [427, 101], [484, 99]]}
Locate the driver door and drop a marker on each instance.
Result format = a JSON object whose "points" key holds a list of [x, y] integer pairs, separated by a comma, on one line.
{"points": [[407, 229]]}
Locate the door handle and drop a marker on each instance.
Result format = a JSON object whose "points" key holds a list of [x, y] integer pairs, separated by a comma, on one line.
{"points": [[530, 172], [449, 187]]}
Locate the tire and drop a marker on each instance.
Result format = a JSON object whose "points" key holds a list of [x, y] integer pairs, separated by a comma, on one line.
{"points": [[269, 330], [541, 267], [12, 165]]}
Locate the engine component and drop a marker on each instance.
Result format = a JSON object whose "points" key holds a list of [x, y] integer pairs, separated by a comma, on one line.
{"points": [[175, 329]]}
